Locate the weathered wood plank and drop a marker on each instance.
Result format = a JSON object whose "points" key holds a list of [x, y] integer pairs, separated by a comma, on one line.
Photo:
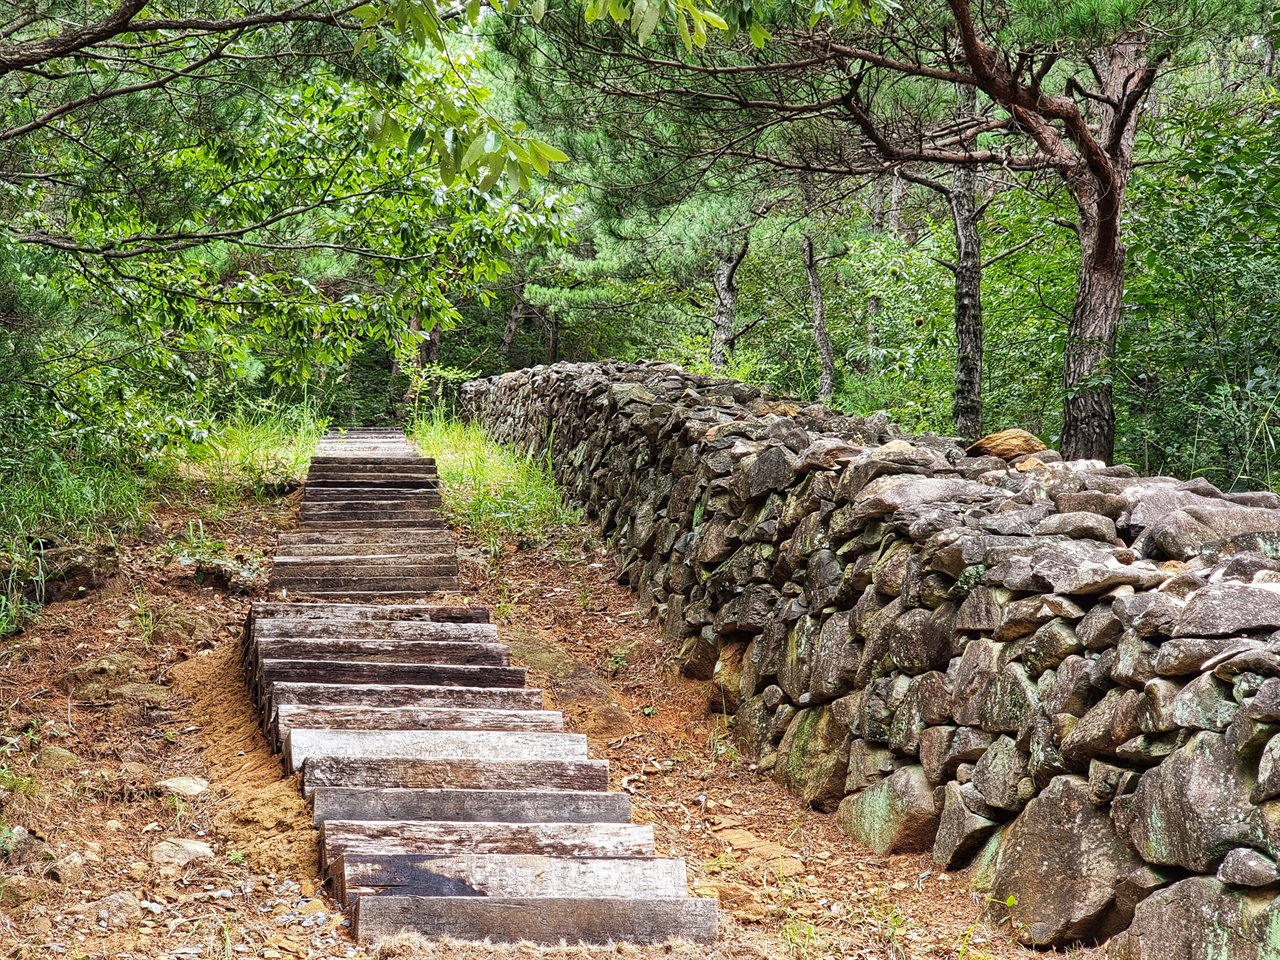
{"points": [[406, 695], [265, 628], [414, 774], [265, 609], [301, 743], [440, 545], [448, 838], [290, 715], [370, 584], [384, 651], [433, 558], [379, 526], [417, 509], [429, 674], [352, 567], [501, 806], [331, 494], [353, 595], [424, 532], [544, 920], [505, 875]]}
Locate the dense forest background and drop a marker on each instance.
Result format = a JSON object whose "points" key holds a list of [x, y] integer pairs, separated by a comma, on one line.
{"points": [[228, 217]]}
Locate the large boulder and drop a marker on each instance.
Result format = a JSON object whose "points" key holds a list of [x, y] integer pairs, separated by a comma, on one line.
{"points": [[1222, 609], [1201, 919], [895, 815], [813, 758], [1058, 868], [1193, 808]]}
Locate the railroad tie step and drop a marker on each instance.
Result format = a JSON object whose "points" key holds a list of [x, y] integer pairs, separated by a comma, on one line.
{"points": [[301, 743], [266, 610], [390, 696], [363, 672], [502, 806], [544, 920], [504, 875], [416, 774], [447, 838], [289, 716], [283, 628]]}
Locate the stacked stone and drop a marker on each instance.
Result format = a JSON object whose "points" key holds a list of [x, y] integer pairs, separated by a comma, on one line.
{"points": [[1059, 674]]}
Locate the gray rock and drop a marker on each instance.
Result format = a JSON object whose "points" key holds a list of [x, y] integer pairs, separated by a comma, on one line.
{"points": [[1008, 701], [187, 787], [813, 758], [1185, 533], [1100, 627], [1078, 526], [1000, 776], [868, 763], [895, 815], [1198, 919], [1246, 867], [180, 852], [1265, 705], [1221, 609], [1061, 861], [1187, 655], [835, 660], [1149, 614], [1268, 784], [1194, 807], [927, 703], [1046, 648], [961, 832], [1022, 617], [1205, 703], [115, 908]]}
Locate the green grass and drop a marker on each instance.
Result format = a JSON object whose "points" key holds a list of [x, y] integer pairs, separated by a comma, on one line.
{"points": [[490, 490], [51, 496]]}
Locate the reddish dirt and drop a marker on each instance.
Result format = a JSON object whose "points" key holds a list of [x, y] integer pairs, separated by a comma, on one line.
{"points": [[790, 884]]}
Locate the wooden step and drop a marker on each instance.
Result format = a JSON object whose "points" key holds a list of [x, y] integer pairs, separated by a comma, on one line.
{"points": [[267, 628], [406, 695], [391, 482], [426, 613], [422, 532], [332, 494], [351, 567], [543, 920], [504, 875], [369, 461], [418, 508], [377, 526], [383, 651], [351, 595], [301, 743], [440, 545], [501, 806], [431, 558], [450, 838], [290, 715], [413, 774], [342, 586], [427, 674]]}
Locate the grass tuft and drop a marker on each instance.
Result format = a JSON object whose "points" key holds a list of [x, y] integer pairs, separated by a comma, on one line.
{"points": [[492, 491]]}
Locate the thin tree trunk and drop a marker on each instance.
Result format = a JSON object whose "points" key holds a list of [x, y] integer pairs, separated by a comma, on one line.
{"points": [[966, 403], [821, 335], [877, 205], [725, 314], [897, 195], [512, 325], [433, 360], [1088, 417]]}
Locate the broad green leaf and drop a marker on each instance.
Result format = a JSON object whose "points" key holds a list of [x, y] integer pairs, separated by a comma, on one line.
{"points": [[475, 151], [548, 151], [539, 10], [650, 22]]}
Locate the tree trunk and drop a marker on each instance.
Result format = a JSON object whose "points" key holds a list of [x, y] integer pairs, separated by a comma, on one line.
{"points": [[433, 362], [1088, 427], [897, 195], [725, 314], [821, 335], [877, 205], [1088, 418], [513, 324], [966, 402]]}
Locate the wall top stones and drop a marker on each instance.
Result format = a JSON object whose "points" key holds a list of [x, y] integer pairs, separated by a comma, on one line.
{"points": [[1061, 675]]}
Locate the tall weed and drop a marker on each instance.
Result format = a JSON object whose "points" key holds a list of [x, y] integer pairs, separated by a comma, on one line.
{"points": [[490, 489]]}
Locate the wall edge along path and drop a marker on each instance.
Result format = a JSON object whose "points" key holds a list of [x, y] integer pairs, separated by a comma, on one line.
{"points": [[1061, 677]]}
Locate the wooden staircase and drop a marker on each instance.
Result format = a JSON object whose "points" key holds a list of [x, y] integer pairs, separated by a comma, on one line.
{"points": [[448, 801]]}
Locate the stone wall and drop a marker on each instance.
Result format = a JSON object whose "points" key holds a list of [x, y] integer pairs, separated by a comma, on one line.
{"points": [[1062, 676]]}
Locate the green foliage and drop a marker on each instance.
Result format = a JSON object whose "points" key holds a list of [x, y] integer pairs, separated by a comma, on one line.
{"points": [[491, 490]]}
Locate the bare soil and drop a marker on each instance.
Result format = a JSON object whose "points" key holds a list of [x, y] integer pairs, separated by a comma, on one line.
{"points": [[85, 881]]}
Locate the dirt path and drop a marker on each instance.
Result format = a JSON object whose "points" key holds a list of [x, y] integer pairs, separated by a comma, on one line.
{"points": [[90, 837]]}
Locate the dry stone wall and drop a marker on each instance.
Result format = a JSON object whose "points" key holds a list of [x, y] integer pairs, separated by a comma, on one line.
{"points": [[1061, 676]]}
